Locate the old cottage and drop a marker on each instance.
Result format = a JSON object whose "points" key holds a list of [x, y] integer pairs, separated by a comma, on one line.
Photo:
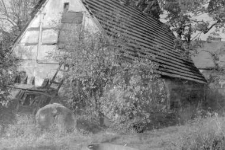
{"points": [[151, 37]]}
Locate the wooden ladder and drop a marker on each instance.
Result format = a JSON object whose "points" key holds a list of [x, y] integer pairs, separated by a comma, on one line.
{"points": [[48, 90], [62, 68]]}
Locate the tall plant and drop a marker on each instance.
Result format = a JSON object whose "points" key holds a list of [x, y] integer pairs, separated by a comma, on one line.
{"points": [[91, 60], [135, 95], [98, 71]]}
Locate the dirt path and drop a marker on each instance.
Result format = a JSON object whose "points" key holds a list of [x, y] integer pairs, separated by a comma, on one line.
{"points": [[153, 140]]}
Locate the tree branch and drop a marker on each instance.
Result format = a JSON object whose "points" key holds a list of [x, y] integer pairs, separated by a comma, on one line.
{"points": [[218, 21], [196, 36], [5, 9], [9, 20]]}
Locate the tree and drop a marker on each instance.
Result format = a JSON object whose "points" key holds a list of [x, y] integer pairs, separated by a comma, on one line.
{"points": [[7, 65], [14, 15], [179, 17], [148, 7]]}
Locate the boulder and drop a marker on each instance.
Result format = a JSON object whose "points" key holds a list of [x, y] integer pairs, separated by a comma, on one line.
{"points": [[55, 114]]}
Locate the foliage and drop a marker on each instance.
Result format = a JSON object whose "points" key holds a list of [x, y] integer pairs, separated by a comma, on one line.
{"points": [[203, 134], [7, 65], [135, 95], [179, 16], [96, 67], [14, 15], [148, 7], [91, 62], [181, 19]]}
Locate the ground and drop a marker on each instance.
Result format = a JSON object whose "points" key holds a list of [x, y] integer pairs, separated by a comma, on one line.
{"points": [[21, 134], [18, 131]]}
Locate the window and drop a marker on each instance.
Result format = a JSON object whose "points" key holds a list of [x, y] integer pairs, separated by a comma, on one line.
{"points": [[66, 7]]}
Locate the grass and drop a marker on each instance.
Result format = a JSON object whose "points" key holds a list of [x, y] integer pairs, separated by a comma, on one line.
{"points": [[24, 135], [200, 134]]}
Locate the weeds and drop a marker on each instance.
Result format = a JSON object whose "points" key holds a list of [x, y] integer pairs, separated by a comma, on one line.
{"points": [[25, 135], [206, 133], [203, 134]]}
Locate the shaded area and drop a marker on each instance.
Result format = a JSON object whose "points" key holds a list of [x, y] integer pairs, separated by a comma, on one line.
{"points": [[87, 126]]}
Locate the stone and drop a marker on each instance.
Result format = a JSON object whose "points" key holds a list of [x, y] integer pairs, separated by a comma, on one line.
{"points": [[55, 114]]}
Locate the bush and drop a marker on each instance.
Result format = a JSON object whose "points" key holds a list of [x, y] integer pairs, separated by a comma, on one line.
{"points": [[97, 73], [135, 95], [91, 60]]}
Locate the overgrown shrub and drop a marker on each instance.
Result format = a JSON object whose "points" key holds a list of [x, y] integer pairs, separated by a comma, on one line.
{"points": [[91, 61], [135, 95], [98, 71], [6, 79], [7, 65]]}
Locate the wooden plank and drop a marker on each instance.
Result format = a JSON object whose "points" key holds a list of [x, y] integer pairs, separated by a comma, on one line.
{"points": [[38, 28], [34, 44]]}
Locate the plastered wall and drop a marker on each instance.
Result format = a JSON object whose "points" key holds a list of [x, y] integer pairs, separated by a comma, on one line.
{"points": [[40, 38]]}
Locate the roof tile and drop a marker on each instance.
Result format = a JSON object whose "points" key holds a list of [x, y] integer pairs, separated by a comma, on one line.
{"points": [[146, 35]]}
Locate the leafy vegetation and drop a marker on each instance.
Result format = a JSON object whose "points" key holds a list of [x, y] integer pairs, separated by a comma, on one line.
{"points": [[98, 72], [179, 15], [135, 95], [14, 15]]}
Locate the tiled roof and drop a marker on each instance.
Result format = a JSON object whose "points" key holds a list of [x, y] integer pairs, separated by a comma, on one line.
{"points": [[145, 36]]}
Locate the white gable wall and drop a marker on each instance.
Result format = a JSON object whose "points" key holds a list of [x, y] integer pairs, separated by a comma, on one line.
{"points": [[33, 47]]}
